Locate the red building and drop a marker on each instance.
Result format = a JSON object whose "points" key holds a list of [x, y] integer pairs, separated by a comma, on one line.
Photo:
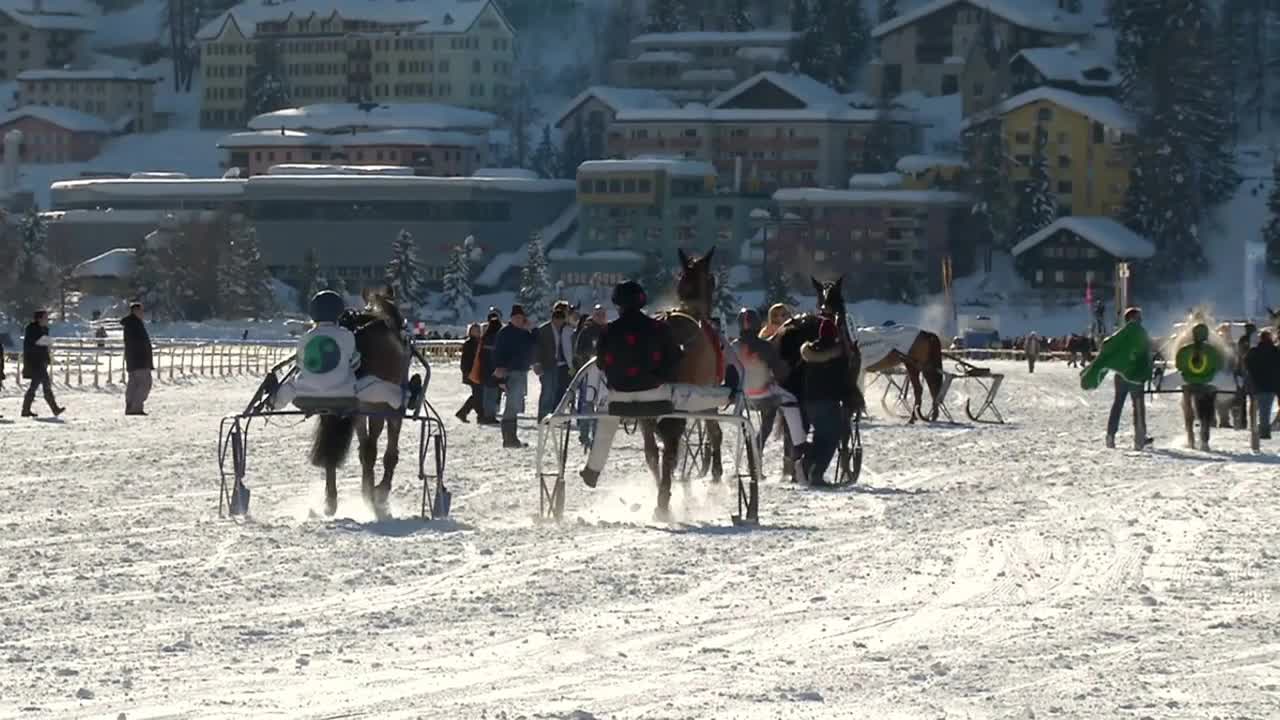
{"points": [[55, 135]]}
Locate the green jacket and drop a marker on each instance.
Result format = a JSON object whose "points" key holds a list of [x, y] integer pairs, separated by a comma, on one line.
{"points": [[1127, 352]]}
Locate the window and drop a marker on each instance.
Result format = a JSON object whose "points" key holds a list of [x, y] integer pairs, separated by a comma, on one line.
{"points": [[892, 84], [1059, 276], [690, 132], [1091, 253], [893, 256], [1064, 186], [615, 186], [1099, 134], [602, 186], [645, 185], [1022, 137], [978, 89], [1044, 114], [688, 212], [1062, 139], [819, 255], [629, 185], [724, 212], [1064, 161], [1090, 276], [1022, 160], [1039, 277]]}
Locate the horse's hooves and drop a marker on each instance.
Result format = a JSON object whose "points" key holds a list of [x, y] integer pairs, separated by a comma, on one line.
{"points": [[330, 506], [662, 515]]}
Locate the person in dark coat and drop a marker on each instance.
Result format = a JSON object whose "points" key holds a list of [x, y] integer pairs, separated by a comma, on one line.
{"points": [[512, 359], [491, 394], [137, 361], [584, 349], [826, 377], [470, 349], [1262, 365], [35, 363], [553, 358]]}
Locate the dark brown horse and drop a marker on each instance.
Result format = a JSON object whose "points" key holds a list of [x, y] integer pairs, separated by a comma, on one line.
{"points": [[384, 354], [918, 354], [700, 364]]}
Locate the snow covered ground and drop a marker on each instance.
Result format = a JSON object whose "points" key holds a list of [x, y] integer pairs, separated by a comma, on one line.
{"points": [[982, 572]]}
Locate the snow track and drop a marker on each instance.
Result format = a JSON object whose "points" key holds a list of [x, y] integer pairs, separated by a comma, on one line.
{"points": [[979, 572]]}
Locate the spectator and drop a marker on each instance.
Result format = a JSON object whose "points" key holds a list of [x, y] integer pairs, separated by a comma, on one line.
{"points": [[35, 363], [1032, 348], [592, 388], [512, 357], [779, 314], [492, 394], [555, 352], [1125, 390], [470, 349], [137, 360], [1263, 367], [825, 380]]}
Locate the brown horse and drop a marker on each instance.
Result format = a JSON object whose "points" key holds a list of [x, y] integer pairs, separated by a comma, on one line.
{"points": [[700, 364], [883, 350], [383, 354]]}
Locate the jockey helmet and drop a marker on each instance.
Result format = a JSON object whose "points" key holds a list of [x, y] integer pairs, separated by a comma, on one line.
{"points": [[748, 319], [629, 295], [327, 306]]}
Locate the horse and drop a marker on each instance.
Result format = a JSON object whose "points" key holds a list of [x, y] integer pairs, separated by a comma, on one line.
{"points": [[803, 328], [384, 354], [917, 351], [1192, 347], [701, 363]]}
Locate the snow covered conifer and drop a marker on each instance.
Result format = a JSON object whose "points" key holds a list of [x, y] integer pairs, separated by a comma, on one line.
{"points": [[536, 290], [664, 16], [724, 302], [574, 153], [244, 285], [404, 274], [740, 16], [1271, 232], [456, 295], [546, 158], [1037, 207], [35, 282], [776, 289], [655, 273]]}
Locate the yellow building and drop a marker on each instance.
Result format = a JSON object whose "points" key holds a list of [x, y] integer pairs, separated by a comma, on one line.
{"points": [[1089, 150], [457, 52]]}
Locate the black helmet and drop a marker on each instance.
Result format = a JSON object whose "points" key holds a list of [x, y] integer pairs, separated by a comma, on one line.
{"points": [[748, 319], [629, 296], [327, 306]]}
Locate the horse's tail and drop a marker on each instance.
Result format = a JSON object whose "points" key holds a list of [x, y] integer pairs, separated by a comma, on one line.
{"points": [[332, 440]]}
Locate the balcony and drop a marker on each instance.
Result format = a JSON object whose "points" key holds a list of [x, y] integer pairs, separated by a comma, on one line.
{"points": [[676, 143], [360, 54], [750, 143]]}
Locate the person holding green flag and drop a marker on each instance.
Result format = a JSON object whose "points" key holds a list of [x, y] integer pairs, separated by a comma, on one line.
{"points": [[1127, 353]]}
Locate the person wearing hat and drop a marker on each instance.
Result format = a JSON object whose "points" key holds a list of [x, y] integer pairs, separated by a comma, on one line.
{"points": [[491, 394], [512, 358], [584, 348], [554, 355], [826, 378], [638, 357], [1128, 390]]}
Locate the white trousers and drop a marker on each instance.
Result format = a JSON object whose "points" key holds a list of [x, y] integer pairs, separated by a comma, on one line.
{"points": [[686, 398], [790, 409]]}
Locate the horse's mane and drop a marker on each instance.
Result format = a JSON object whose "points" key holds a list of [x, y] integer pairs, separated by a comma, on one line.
{"points": [[379, 339]]}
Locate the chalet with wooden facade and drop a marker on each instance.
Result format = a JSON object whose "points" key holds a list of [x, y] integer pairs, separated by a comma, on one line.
{"points": [[1073, 253]]}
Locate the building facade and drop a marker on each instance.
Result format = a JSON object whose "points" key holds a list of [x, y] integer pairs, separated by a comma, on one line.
{"points": [[55, 135], [630, 209], [44, 35], [927, 49], [1077, 253], [458, 52], [125, 100], [887, 243], [427, 152], [593, 111], [768, 132], [697, 66], [1089, 149]]}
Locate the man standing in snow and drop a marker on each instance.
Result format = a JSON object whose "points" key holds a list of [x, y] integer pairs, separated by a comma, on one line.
{"points": [[491, 394], [1262, 364], [555, 351], [137, 360], [1128, 390], [512, 358], [35, 363], [1032, 350]]}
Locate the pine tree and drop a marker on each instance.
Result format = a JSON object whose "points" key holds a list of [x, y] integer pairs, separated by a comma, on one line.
{"points": [[244, 285], [664, 16], [536, 290], [1037, 207], [991, 214], [776, 289], [835, 41], [724, 301], [265, 90], [1271, 232], [309, 280], [740, 16], [36, 280], [154, 282], [888, 10], [404, 275], [456, 294], [546, 158]]}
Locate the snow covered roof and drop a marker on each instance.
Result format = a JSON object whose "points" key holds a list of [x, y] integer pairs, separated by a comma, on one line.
{"points": [[324, 169], [1030, 14], [769, 54], [295, 138], [820, 196], [1070, 64], [66, 118], [427, 16], [607, 255], [523, 173], [102, 75], [617, 99], [1104, 232], [920, 163], [1102, 109], [803, 88], [70, 15], [372, 182], [872, 181], [664, 56], [117, 263], [336, 116], [672, 166], [147, 186], [702, 39]]}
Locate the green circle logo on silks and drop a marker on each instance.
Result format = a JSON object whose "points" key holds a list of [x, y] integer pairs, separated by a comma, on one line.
{"points": [[321, 355], [1198, 362]]}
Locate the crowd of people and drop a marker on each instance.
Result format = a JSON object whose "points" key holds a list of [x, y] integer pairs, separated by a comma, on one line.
{"points": [[37, 356]]}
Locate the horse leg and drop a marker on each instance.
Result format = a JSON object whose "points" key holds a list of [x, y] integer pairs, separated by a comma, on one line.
{"points": [[672, 432], [1188, 417], [1205, 408], [913, 376], [648, 430], [330, 490], [368, 454], [933, 376], [390, 459], [715, 440]]}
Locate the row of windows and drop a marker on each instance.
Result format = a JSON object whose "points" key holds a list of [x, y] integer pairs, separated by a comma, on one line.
{"points": [[592, 279], [892, 256], [23, 36], [389, 210], [22, 55], [322, 46], [89, 106], [1099, 133], [76, 87], [418, 157], [1070, 253], [1067, 277]]}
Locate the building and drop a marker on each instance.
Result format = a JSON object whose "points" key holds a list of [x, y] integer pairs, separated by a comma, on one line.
{"points": [[926, 49], [769, 131], [55, 135], [593, 111], [458, 52], [1080, 70], [108, 274], [125, 100], [1075, 253], [887, 242], [933, 172], [350, 221], [697, 66], [1089, 151], [629, 209], [43, 34]]}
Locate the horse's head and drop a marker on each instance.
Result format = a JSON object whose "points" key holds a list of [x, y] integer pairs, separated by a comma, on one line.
{"points": [[380, 303], [696, 284], [830, 297]]}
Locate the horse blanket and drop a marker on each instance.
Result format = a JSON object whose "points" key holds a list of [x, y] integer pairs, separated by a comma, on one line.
{"points": [[875, 343]]}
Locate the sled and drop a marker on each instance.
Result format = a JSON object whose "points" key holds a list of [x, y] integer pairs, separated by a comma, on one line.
{"points": [[555, 432], [897, 400], [233, 443], [988, 381]]}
